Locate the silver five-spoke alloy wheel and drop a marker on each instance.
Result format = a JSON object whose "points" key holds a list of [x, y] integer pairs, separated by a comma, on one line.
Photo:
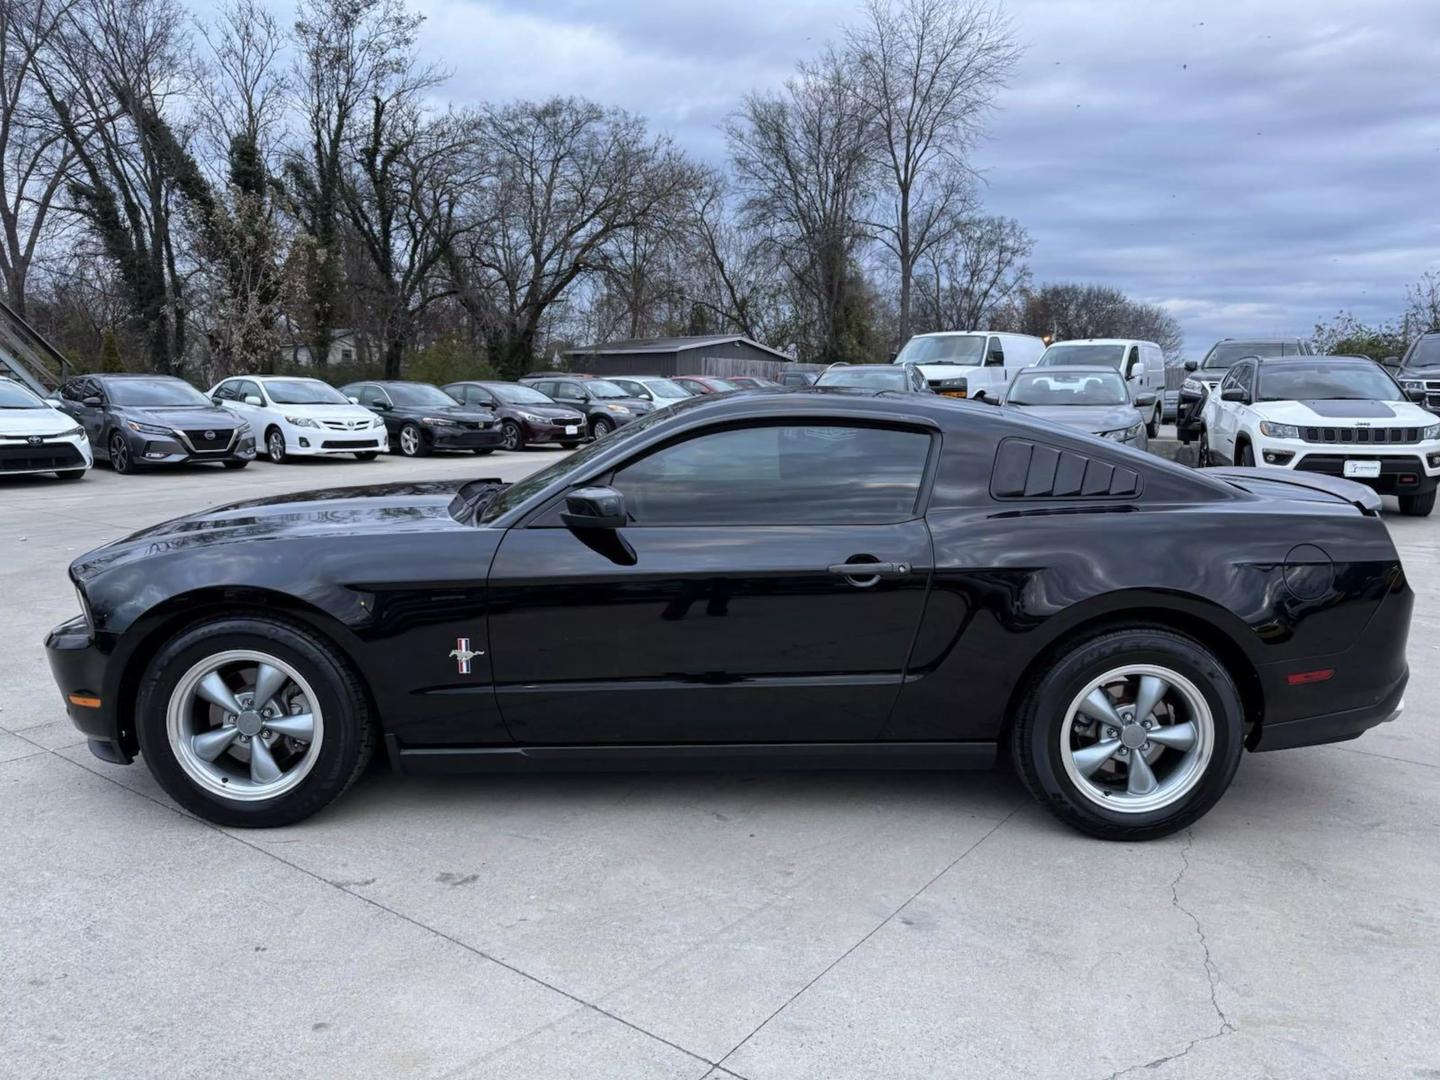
{"points": [[244, 725], [1137, 739], [410, 440]]}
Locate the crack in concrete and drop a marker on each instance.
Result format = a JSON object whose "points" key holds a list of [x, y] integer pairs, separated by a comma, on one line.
{"points": [[1212, 973]]}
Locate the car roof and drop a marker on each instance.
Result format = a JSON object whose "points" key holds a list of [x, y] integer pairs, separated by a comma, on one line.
{"points": [[1281, 361], [1101, 341], [1071, 369], [1257, 340], [864, 367]]}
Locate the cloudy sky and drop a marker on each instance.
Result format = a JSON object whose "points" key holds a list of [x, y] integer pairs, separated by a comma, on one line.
{"points": [[1254, 166]]}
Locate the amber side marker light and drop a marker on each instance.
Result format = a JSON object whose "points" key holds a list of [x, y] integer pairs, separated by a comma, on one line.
{"points": [[1300, 678], [84, 701]]}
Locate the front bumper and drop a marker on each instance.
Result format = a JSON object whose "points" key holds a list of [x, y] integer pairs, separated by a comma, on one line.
{"points": [[1403, 471], [18, 456], [311, 442], [79, 667], [458, 438], [555, 432], [151, 449]]}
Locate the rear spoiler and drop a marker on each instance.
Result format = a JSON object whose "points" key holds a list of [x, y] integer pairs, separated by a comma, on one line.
{"points": [[1364, 499]]}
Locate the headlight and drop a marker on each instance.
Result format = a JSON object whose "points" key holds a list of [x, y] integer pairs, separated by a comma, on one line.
{"points": [[148, 429], [70, 433], [437, 421], [376, 421], [1412, 384], [302, 421], [1124, 435], [1431, 432], [617, 408], [532, 418], [953, 384], [1279, 431], [242, 429], [1195, 386]]}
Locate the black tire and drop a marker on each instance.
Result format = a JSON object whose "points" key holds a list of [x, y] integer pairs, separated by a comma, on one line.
{"points": [[71, 474], [513, 435], [1204, 454], [367, 455], [235, 464], [349, 732], [417, 441], [601, 427], [1152, 429], [120, 459], [1245, 457], [275, 446], [1035, 733], [482, 451], [1417, 505]]}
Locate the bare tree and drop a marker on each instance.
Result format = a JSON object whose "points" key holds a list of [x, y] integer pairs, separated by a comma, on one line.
{"points": [[1069, 311], [964, 282], [928, 70], [802, 162], [34, 155]]}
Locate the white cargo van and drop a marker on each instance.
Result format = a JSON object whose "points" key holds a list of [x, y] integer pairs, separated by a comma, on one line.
{"points": [[968, 363], [1141, 362]]}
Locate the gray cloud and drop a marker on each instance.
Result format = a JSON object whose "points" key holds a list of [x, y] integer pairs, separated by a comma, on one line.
{"points": [[1254, 167]]}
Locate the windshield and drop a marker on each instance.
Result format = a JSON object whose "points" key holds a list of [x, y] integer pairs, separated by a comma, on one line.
{"points": [[1227, 352], [1327, 382], [304, 392], [15, 396], [666, 388], [1087, 388], [968, 349], [601, 389], [518, 492], [515, 394], [154, 392], [1083, 356], [869, 378], [419, 394], [1426, 352]]}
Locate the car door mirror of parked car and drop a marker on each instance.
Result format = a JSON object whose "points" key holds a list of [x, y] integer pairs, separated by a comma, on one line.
{"points": [[594, 508], [382, 406], [253, 399], [1391, 361], [353, 400], [1192, 365], [1235, 393], [92, 402], [1144, 400], [1416, 394]]}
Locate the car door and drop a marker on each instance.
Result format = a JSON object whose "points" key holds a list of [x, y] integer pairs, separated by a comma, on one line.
{"points": [[736, 607], [992, 375], [1223, 420], [91, 417]]}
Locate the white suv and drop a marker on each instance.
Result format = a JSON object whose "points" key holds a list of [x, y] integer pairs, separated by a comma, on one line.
{"points": [[301, 417], [1339, 415]]}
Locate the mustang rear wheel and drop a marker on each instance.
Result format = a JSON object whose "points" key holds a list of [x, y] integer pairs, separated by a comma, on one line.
{"points": [[1131, 735], [253, 721]]}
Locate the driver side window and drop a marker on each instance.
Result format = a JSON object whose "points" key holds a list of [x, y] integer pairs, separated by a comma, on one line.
{"points": [[371, 396], [994, 353]]}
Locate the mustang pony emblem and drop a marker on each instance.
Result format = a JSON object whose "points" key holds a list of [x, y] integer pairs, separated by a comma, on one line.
{"points": [[462, 654]]}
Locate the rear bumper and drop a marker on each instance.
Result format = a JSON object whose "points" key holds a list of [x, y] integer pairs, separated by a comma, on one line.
{"points": [[79, 667], [1335, 726]]}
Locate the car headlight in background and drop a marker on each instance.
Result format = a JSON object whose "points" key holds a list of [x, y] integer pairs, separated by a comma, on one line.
{"points": [[1195, 386], [1411, 384], [1279, 431], [1431, 432], [533, 419], [148, 429], [376, 421], [1125, 435], [437, 421], [952, 387], [618, 409], [70, 433], [302, 421]]}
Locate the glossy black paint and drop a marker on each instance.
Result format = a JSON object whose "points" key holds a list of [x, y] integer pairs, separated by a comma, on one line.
{"points": [[747, 635], [539, 422], [192, 433], [471, 427]]}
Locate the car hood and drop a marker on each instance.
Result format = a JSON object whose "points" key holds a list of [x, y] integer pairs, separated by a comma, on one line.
{"points": [[34, 422], [180, 416], [448, 412], [1345, 413], [549, 410], [1091, 418], [326, 412], [380, 509], [948, 371]]}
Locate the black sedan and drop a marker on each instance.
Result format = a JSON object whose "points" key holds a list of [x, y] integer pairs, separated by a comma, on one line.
{"points": [[135, 421], [794, 578], [526, 415], [422, 418], [1093, 399]]}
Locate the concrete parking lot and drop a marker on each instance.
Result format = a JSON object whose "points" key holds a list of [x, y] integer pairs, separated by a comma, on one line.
{"points": [[693, 926]]}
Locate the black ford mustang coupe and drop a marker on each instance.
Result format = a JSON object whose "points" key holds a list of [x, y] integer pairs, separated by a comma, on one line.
{"points": [[798, 578]]}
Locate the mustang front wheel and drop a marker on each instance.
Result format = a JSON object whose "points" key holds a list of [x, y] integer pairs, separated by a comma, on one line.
{"points": [[1131, 735], [253, 722]]}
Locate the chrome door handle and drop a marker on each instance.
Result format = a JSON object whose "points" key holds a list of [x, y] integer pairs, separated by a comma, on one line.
{"points": [[868, 573]]}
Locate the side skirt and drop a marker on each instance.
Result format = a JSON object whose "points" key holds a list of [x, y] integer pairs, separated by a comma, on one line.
{"points": [[940, 756]]}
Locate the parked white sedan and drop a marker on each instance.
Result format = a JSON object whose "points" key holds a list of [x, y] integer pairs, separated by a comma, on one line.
{"points": [[299, 417], [1339, 415], [37, 438]]}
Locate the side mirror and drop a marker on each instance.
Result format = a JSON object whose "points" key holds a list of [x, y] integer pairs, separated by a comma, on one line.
{"points": [[382, 406], [1192, 365], [1416, 394], [216, 399], [594, 508], [93, 403], [1234, 393], [353, 400], [893, 354], [1391, 361], [1144, 400], [253, 399]]}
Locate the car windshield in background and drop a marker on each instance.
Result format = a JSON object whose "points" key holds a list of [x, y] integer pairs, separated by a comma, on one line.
{"points": [[1226, 353], [869, 379], [721, 385], [304, 392], [515, 394], [419, 394], [15, 396], [146, 392], [602, 389], [968, 349], [1090, 388], [1426, 352], [1083, 356], [1327, 382], [666, 388]]}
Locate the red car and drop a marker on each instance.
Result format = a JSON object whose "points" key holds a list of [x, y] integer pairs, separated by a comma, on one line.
{"points": [[706, 384]]}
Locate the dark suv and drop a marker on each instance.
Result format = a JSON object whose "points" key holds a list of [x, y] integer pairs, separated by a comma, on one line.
{"points": [[139, 420], [422, 418], [1203, 377], [526, 415], [1420, 368], [605, 405]]}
